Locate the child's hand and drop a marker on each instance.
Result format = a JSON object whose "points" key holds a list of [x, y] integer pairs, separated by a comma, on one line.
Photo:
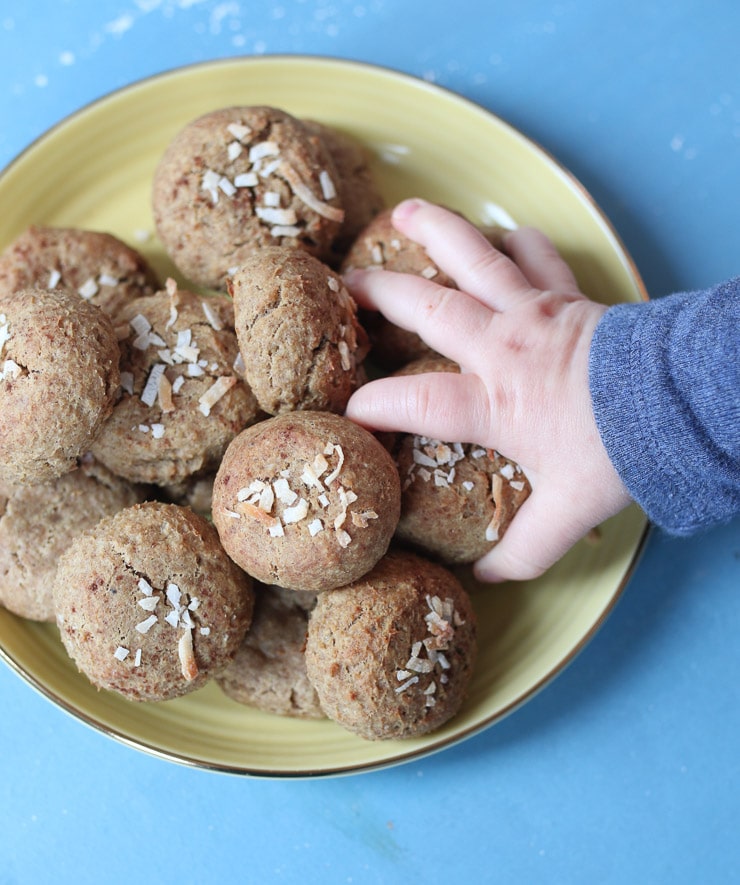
{"points": [[520, 330]]}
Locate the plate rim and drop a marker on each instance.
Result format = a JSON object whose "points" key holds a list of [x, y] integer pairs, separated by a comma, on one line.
{"points": [[625, 257], [344, 770], [385, 70]]}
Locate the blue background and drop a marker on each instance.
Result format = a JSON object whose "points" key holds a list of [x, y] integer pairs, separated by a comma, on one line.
{"points": [[626, 768]]}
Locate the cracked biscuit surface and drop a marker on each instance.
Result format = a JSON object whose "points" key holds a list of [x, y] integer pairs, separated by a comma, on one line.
{"points": [[39, 522], [97, 266], [148, 603], [298, 334], [59, 377], [359, 192], [238, 179], [269, 670], [306, 500], [392, 654], [182, 400]]}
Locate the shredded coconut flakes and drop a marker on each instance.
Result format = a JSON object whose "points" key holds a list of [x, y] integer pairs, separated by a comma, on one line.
{"points": [[306, 195], [284, 230], [263, 149], [10, 371], [439, 620], [226, 186], [88, 289], [212, 316], [210, 182], [283, 492], [407, 684], [344, 355], [164, 393], [146, 626], [335, 449], [148, 603], [327, 185], [220, 387], [151, 388], [127, 382], [240, 131], [246, 179], [234, 150], [276, 216], [296, 513], [188, 665]]}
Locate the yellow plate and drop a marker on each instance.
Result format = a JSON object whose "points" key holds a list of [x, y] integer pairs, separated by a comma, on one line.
{"points": [[94, 171]]}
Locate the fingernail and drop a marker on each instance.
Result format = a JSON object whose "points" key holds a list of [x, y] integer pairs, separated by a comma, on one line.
{"points": [[486, 575], [407, 208], [356, 275]]}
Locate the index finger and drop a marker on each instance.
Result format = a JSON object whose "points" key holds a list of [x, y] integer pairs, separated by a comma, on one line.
{"points": [[463, 253], [449, 320]]}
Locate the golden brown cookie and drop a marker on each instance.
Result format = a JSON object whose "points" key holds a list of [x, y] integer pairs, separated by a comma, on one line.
{"points": [[149, 605], [181, 400], [298, 332], [306, 500], [269, 670], [359, 192], [457, 499], [391, 655], [59, 377], [99, 267], [39, 522], [238, 179], [195, 493]]}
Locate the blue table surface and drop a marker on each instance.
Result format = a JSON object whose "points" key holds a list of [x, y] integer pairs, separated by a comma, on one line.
{"points": [[624, 769]]}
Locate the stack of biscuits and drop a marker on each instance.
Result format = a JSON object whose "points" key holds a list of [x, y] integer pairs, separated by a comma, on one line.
{"points": [[179, 488]]}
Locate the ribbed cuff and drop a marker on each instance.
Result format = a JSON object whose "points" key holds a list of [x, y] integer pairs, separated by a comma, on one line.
{"points": [[656, 390]]}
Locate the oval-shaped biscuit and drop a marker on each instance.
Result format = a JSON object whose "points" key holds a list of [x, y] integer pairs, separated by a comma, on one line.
{"points": [[306, 500]]}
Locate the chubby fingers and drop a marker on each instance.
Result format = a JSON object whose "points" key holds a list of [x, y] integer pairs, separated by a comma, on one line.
{"points": [[539, 260], [462, 252], [450, 321], [441, 405]]}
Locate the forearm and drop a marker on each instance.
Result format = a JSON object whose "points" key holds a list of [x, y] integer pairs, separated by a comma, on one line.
{"points": [[665, 388]]}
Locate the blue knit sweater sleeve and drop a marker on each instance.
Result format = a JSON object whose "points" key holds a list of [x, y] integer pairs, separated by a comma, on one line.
{"points": [[665, 388]]}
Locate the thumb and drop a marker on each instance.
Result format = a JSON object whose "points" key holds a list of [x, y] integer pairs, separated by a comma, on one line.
{"points": [[537, 537]]}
